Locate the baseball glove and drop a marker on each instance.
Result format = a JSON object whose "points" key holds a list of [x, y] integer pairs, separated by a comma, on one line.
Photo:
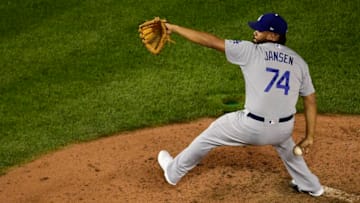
{"points": [[154, 34]]}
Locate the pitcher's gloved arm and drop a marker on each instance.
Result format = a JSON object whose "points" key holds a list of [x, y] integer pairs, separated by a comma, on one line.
{"points": [[310, 110], [198, 37]]}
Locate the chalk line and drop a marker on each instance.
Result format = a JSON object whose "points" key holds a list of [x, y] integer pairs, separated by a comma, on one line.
{"points": [[341, 195]]}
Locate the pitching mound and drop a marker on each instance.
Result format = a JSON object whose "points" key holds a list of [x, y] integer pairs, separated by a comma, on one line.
{"points": [[123, 168]]}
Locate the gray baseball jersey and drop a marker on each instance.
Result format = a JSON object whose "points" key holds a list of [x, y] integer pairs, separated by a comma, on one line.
{"points": [[275, 76]]}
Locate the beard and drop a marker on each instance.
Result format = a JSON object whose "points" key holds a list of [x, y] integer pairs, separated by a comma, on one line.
{"points": [[260, 41], [282, 40]]}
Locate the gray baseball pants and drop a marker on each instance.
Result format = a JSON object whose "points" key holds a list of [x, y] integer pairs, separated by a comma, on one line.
{"points": [[237, 129]]}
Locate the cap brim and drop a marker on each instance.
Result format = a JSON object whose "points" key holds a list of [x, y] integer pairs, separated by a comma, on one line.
{"points": [[256, 26]]}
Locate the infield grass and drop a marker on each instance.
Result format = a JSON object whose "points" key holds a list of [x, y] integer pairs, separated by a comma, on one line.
{"points": [[73, 71]]}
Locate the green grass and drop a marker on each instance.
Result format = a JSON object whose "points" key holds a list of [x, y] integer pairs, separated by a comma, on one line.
{"points": [[72, 71]]}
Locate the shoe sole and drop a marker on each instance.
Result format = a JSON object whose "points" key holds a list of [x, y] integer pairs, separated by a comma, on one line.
{"points": [[161, 154], [314, 194]]}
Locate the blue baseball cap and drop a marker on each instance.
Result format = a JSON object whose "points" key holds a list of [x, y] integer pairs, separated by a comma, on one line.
{"points": [[272, 22]]}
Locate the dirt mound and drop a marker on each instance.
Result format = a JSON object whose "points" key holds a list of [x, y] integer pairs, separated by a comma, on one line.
{"points": [[123, 168]]}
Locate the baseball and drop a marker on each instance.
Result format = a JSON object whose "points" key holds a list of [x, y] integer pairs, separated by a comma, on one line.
{"points": [[298, 150]]}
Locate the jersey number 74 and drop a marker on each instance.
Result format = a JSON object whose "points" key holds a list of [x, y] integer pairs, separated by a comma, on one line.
{"points": [[281, 82]]}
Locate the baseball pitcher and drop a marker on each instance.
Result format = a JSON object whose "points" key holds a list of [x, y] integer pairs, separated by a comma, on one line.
{"points": [[275, 76]]}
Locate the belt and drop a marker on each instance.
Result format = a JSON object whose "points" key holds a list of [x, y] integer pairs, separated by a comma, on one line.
{"points": [[262, 119]]}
